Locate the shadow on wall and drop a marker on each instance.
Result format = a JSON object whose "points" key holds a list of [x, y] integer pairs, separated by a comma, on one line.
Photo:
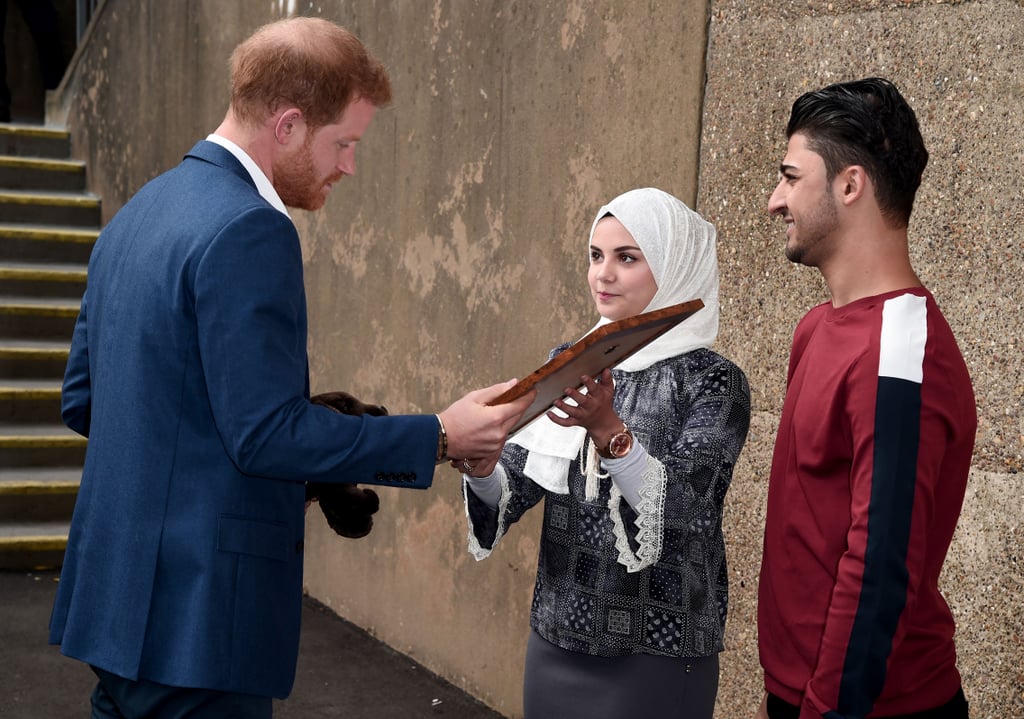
{"points": [[37, 37]]}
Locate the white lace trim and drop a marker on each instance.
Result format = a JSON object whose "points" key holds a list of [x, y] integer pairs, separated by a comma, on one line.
{"points": [[650, 519], [480, 552]]}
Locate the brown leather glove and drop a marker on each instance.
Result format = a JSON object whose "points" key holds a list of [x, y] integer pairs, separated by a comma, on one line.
{"points": [[347, 507], [344, 403]]}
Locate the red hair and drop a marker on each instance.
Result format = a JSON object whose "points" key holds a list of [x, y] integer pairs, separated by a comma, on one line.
{"points": [[309, 63]]}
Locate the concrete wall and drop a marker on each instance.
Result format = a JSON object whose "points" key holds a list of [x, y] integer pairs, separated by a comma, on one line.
{"points": [[456, 256]]}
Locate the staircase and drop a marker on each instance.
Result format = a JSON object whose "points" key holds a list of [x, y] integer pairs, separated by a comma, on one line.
{"points": [[48, 224]]}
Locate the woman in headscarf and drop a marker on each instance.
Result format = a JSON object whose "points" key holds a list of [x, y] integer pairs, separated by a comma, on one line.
{"points": [[631, 594]]}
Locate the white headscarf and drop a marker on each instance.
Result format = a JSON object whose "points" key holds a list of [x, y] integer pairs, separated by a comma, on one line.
{"points": [[679, 246]]}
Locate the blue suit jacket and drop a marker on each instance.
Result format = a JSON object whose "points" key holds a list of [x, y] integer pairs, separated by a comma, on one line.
{"points": [[188, 373]]}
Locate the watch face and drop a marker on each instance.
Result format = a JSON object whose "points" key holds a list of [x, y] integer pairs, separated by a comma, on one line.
{"points": [[620, 445]]}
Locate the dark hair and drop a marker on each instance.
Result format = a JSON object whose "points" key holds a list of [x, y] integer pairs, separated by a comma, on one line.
{"points": [[309, 63], [868, 123]]}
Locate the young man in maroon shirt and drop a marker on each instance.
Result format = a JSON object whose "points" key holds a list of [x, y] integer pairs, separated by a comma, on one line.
{"points": [[875, 439]]}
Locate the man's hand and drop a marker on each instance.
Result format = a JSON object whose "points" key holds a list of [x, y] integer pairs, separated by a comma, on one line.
{"points": [[476, 429], [477, 467], [762, 711]]}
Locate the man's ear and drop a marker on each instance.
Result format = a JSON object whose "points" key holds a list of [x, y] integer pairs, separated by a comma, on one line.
{"points": [[289, 124], [851, 184]]}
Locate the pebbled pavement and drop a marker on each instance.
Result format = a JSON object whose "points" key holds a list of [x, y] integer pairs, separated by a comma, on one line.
{"points": [[343, 672]]}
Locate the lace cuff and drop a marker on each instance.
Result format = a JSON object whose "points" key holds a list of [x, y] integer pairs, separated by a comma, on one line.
{"points": [[475, 548], [650, 519]]}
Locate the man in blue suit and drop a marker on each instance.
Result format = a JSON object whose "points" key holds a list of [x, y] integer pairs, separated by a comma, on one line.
{"points": [[182, 581]]}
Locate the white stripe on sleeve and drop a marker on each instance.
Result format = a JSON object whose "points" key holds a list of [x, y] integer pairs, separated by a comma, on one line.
{"points": [[904, 335]]}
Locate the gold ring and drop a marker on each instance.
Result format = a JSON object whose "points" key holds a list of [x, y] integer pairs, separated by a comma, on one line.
{"points": [[467, 466]]}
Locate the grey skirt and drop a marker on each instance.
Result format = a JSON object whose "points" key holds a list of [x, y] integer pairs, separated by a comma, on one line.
{"points": [[560, 684]]}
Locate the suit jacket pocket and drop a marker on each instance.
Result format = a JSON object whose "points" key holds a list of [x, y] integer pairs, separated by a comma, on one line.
{"points": [[242, 535]]}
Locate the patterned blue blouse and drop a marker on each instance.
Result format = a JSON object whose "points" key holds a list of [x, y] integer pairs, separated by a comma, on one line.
{"points": [[612, 580]]}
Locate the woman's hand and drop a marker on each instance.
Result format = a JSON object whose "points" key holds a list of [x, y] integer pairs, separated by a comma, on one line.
{"points": [[593, 409]]}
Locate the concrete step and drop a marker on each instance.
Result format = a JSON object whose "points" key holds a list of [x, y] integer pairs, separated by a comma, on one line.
{"points": [[34, 141], [15, 434], [48, 225], [39, 480], [26, 401], [33, 359], [40, 445], [38, 494], [38, 317], [80, 210], [33, 545], [46, 243], [42, 279], [37, 173]]}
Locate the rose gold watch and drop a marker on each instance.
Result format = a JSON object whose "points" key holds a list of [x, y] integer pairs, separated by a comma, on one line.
{"points": [[619, 445]]}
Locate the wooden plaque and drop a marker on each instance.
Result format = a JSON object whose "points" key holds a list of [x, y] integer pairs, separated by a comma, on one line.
{"points": [[605, 347]]}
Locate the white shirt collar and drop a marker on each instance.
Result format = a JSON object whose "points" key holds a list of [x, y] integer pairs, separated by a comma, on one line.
{"points": [[263, 185]]}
